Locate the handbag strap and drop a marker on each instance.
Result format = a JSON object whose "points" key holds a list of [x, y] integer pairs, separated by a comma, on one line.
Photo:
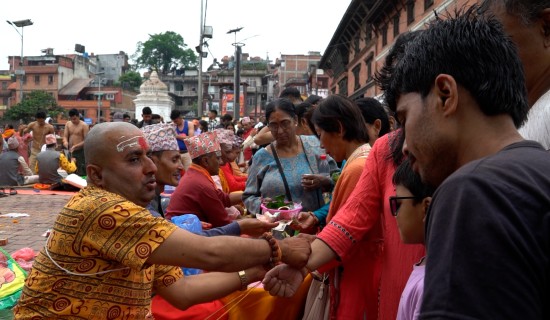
{"points": [[287, 190]]}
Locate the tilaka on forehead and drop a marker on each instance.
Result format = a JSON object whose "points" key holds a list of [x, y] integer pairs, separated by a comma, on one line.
{"points": [[132, 142]]}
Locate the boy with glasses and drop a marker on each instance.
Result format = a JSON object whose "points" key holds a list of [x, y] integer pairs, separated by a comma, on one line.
{"points": [[409, 206]]}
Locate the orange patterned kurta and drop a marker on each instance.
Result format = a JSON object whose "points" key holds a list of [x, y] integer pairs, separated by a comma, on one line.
{"points": [[106, 240]]}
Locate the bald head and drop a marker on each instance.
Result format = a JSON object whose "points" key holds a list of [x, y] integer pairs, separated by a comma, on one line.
{"points": [[103, 139], [118, 161]]}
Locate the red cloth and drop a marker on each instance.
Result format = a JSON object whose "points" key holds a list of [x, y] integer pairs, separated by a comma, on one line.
{"points": [[196, 194], [235, 183], [376, 263], [163, 310]]}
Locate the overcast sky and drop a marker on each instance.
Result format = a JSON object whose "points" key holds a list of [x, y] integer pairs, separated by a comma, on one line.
{"points": [[106, 27]]}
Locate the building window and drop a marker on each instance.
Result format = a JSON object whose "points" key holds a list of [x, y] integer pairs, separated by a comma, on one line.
{"points": [[368, 33], [357, 43], [343, 87], [368, 63], [384, 35], [396, 25], [250, 101], [4, 85], [356, 71], [36, 79], [50, 79], [428, 4], [109, 96], [410, 11]]}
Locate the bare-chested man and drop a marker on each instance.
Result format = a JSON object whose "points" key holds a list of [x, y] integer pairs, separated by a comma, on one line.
{"points": [[39, 129], [73, 139]]}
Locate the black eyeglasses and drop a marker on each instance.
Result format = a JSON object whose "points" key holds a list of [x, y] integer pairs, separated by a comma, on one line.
{"points": [[395, 204]]}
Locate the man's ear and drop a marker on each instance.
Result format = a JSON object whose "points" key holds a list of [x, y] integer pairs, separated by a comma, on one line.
{"points": [[426, 204], [94, 174], [446, 91], [545, 25]]}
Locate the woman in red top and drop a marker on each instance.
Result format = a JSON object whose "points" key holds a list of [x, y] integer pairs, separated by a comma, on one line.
{"points": [[227, 141]]}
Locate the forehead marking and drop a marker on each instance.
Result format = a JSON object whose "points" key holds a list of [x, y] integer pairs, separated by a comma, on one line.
{"points": [[131, 142]]}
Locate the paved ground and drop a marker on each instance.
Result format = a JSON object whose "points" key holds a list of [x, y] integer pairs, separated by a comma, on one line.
{"points": [[27, 231]]}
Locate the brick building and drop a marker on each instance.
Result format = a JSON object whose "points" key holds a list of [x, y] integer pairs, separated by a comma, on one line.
{"points": [[366, 33]]}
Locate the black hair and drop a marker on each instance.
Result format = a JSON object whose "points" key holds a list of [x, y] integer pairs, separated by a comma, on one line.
{"points": [[313, 99], [146, 110], [384, 75], [290, 92], [175, 114], [73, 112], [214, 111], [203, 124], [473, 49], [301, 109], [40, 114], [336, 112], [372, 110], [282, 104], [405, 176], [126, 116], [227, 117], [156, 116]]}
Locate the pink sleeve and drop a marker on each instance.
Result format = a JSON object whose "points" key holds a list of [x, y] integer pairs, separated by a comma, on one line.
{"points": [[361, 212]]}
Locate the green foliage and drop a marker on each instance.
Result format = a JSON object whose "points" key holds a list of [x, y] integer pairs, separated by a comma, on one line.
{"points": [[277, 202], [130, 80], [33, 102], [164, 52]]}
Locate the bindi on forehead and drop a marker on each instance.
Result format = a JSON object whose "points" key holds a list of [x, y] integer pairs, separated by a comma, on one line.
{"points": [[132, 142]]}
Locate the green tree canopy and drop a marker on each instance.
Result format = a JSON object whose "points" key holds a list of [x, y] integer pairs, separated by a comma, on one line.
{"points": [[32, 102], [130, 80], [164, 52]]}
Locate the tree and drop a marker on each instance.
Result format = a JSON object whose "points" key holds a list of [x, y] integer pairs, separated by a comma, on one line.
{"points": [[32, 102], [130, 79], [164, 52]]}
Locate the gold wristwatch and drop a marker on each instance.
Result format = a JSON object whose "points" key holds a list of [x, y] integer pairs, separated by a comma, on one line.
{"points": [[244, 280]]}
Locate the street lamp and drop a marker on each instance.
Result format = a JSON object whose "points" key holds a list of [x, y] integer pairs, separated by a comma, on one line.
{"points": [[20, 24], [98, 75]]}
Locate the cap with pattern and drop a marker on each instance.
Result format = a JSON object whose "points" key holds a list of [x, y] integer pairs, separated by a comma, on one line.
{"points": [[161, 137], [202, 144]]}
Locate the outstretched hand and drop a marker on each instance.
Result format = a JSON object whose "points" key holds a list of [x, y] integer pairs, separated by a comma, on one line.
{"points": [[283, 280], [254, 227], [305, 222]]}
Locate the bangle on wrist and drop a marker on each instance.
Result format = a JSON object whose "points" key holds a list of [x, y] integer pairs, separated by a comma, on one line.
{"points": [[244, 280]]}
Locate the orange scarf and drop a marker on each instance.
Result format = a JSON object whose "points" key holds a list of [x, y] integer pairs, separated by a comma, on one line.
{"points": [[8, 133], [223, 181], [203, 171]]}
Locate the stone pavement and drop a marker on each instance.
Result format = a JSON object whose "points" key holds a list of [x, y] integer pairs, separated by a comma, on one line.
{"points": [[27, 231]]}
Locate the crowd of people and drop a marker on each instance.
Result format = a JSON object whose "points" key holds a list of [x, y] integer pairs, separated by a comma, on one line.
{"points": [[438, 208]]}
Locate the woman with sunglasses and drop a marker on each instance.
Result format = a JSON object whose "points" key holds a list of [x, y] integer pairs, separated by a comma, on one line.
{"points": [[298, 155]]}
